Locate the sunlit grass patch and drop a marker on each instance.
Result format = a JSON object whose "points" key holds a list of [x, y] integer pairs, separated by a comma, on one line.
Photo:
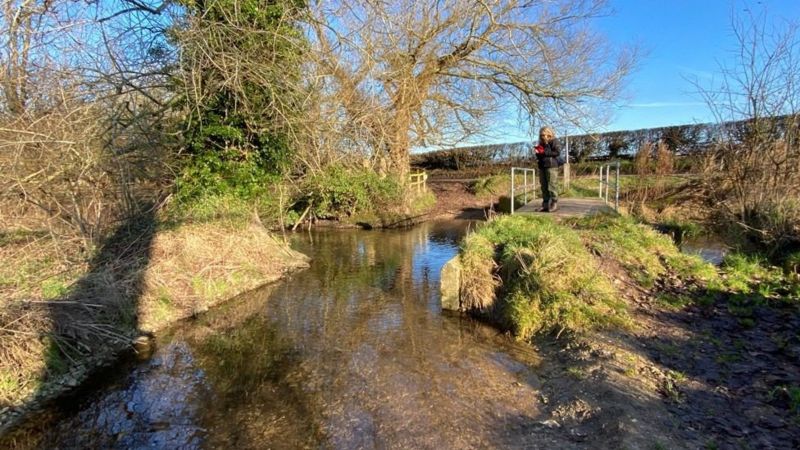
{"points": [[551, 282], [753, 277], [690, 266], [37, 265], [492, 185], [9, 384], [195, 266], [645, 253]]}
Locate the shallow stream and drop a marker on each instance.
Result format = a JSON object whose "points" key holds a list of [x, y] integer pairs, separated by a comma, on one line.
{"points": [[710, 247], [354, 352]]}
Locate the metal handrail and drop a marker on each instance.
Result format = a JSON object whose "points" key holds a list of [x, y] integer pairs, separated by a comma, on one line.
{"points": [[605, 170], [526, 187]]}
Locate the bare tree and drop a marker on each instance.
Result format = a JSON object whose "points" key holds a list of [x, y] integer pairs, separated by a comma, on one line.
{"points": [[26, 25], [82, 110], [753, 173], [409, 72]]}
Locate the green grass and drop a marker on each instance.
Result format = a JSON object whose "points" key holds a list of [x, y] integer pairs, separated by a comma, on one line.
{"points": [[164, 308], [582, 187], [588, 185], [674, 301], [54, 288], [16, 237], [753, 278], [210, 288], [55, 361], [585, 186], [492, 185], [228, 207], [690, 266], [644, 253], [422, 202], [533, 275], [9, 384], [681, 229], [550, 281], [791, 263], [33, 269], [577, 372]]}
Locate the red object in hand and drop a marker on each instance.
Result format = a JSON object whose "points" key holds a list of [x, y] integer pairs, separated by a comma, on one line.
{"points": [[539, 148]]}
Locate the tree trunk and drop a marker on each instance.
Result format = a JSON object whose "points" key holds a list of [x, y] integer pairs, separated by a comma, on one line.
{"points": [[399, 147]]}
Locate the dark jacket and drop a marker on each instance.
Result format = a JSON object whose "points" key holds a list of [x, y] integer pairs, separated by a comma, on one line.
{"points": [[550, 156]]}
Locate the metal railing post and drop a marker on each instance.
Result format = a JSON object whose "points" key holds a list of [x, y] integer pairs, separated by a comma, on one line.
{"points": [[608, 180], [512, 191], [616, 194], [525, 184], [600, 185]]}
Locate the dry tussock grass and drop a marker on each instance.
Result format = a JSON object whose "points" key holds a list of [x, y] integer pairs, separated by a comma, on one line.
{"points": [[197, 266], [35, 269], [479, 281], [98, 306], [550, 280], [58, 310]]}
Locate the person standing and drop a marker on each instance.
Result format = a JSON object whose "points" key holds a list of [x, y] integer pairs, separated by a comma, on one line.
{"points": [[547, 153]]}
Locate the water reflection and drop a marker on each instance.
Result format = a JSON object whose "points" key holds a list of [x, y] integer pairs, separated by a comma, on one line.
{"points": [[709, 247], [351, 353]]}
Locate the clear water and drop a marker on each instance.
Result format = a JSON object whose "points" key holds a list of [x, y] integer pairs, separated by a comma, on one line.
{"points": [[354, 352], [709, 247]]}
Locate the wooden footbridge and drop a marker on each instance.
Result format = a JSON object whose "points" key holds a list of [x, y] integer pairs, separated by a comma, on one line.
{"points": [[524, 189]]}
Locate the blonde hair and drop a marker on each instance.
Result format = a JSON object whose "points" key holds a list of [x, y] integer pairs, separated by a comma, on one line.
{"points": [[547, 132]]}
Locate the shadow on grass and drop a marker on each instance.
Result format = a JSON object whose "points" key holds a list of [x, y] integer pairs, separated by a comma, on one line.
{"points": [[100, 313], [94, 322], [733, 363]]}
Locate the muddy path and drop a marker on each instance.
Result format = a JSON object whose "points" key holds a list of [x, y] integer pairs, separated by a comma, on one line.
{"points": [[455, 201], [732, 369], [724, 372]]}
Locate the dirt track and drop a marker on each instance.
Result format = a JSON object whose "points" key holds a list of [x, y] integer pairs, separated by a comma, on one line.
{"points": [[454, 200]]}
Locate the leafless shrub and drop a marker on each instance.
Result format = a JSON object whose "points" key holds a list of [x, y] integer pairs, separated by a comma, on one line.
{"points": [[752, 171], [82, 130], [84, 145], [665, 160]]}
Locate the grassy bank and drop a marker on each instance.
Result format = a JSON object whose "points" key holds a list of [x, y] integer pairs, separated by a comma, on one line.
{"points": [[336, 194], [547, 279], [64, 310], [533, 275]]}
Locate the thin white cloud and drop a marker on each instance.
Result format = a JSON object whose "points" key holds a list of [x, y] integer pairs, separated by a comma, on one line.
{"points": [[696, 73]]}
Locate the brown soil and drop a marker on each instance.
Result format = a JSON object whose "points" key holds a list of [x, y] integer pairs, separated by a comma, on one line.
{"points": [[455, 201], [697, 377]]}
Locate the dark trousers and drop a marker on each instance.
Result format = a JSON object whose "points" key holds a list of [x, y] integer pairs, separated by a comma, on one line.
{"points": [[548, 179]]}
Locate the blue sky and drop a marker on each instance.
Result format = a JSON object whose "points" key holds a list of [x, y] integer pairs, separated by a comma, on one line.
{"points": [[681, 38]]}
